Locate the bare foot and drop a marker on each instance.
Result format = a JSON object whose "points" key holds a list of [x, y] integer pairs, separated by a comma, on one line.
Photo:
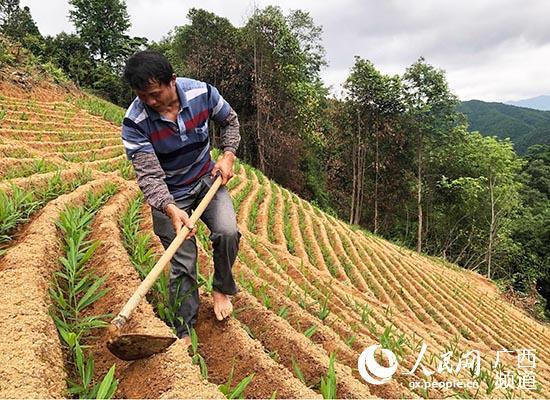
{"points": [[186, 341], [222, 305]]}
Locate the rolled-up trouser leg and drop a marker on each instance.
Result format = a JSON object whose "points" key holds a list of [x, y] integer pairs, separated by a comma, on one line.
{"points": [[184, 294]]}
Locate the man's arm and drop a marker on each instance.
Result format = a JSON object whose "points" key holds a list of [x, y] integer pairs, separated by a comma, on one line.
{"points": [[221, 112], [150, 178], [230, 136], [230, 139]]}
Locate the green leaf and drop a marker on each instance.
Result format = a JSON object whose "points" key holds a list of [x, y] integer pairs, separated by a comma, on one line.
{"points": [[108, 385], [92, 294]]}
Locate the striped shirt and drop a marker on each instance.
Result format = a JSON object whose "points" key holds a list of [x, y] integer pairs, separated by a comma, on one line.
{"points": [[182, 147]]}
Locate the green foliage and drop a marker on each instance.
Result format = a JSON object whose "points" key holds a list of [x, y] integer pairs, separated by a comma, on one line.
{"points": [[328, 383], [17, 206], [18, 24], [287, 227], [236, 392], [478, 195], [56, 73], [73, 289], [309, 332], [253, 215], [101, 108], [37, 166], [524, 126], [388, 340], [324, 311], [196, 358], [105, 37], [14, 209]]}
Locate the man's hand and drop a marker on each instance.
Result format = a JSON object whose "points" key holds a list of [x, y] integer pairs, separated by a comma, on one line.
{"points": [[180, 219], [225, 166]]}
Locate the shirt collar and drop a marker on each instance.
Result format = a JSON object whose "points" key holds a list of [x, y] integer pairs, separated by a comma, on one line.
{"points": [[155, 115]]}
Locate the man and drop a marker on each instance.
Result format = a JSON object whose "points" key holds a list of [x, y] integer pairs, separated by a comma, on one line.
{"points": [[165, 134]]}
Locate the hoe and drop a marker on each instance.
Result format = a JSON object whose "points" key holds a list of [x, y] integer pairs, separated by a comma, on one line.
{"points": [[131, 346]]}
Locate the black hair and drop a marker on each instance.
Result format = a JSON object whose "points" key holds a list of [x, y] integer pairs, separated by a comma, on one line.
{"points": [[145, 67]]}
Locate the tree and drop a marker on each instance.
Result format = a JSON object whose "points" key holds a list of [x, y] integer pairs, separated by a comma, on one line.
{"points": [[268, 70], [531, 227], [17, 23], [479, 199], [431, 114], [102, 25], [375, 99], [286, 96], [69, 52], [210, 49]]}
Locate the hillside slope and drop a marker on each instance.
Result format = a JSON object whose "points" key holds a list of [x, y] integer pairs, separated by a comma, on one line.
{"points": [[311, 285], [524, 126]]}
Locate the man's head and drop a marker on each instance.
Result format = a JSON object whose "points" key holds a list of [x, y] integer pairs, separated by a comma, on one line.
{"points": [[152, 77]]}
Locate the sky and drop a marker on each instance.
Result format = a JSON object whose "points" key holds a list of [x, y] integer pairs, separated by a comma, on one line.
{"points": [[491, 50]]}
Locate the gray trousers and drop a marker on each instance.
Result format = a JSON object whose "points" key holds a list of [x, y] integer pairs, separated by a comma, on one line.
{"points": [[220, 218]]}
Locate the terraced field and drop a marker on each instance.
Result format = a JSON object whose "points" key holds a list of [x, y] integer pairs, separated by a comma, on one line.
{"points": [[311, 286]]}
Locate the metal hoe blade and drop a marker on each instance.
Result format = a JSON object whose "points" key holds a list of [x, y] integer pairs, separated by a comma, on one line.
{"points": [[130, 347]]}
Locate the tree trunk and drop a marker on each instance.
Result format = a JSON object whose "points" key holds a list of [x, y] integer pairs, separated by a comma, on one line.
{"points": [[376, 171], [357, 167], [492, 226], [419, 195], [354, 158], [259, 138], [361, 191]]}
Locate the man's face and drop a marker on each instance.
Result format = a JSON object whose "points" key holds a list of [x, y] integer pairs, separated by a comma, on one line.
{"points": [[158, 96]]}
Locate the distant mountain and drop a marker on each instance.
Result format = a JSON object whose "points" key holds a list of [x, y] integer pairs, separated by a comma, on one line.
{"points": [[524, 126], [538, 103]]}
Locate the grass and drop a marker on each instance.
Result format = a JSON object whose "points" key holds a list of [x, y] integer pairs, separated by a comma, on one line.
{"points": [[287, 226], [73, 290], [91, 155], [96, 106], [17, 152], [309, 332], [271, 213], [196, 358], [233, 183], [298, 372], [305, 239], [329, 261], [388, 340], [328, 382], [238, 199], [17, 206], [124, 168], [237, 391], [38, 166], [324, 311], [14, 209], [253, 215], [283, 312]]}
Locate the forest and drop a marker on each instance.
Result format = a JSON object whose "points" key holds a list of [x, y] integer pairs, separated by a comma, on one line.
{"points": [[393, 154]]}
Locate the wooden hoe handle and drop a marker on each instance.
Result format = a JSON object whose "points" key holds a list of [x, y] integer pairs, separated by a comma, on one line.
{"points": [[150, 279]]}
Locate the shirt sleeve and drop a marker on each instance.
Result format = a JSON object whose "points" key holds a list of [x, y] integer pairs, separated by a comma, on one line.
{"points": [[150, 178], [218, 108], [134, 140], [230, 136]]}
